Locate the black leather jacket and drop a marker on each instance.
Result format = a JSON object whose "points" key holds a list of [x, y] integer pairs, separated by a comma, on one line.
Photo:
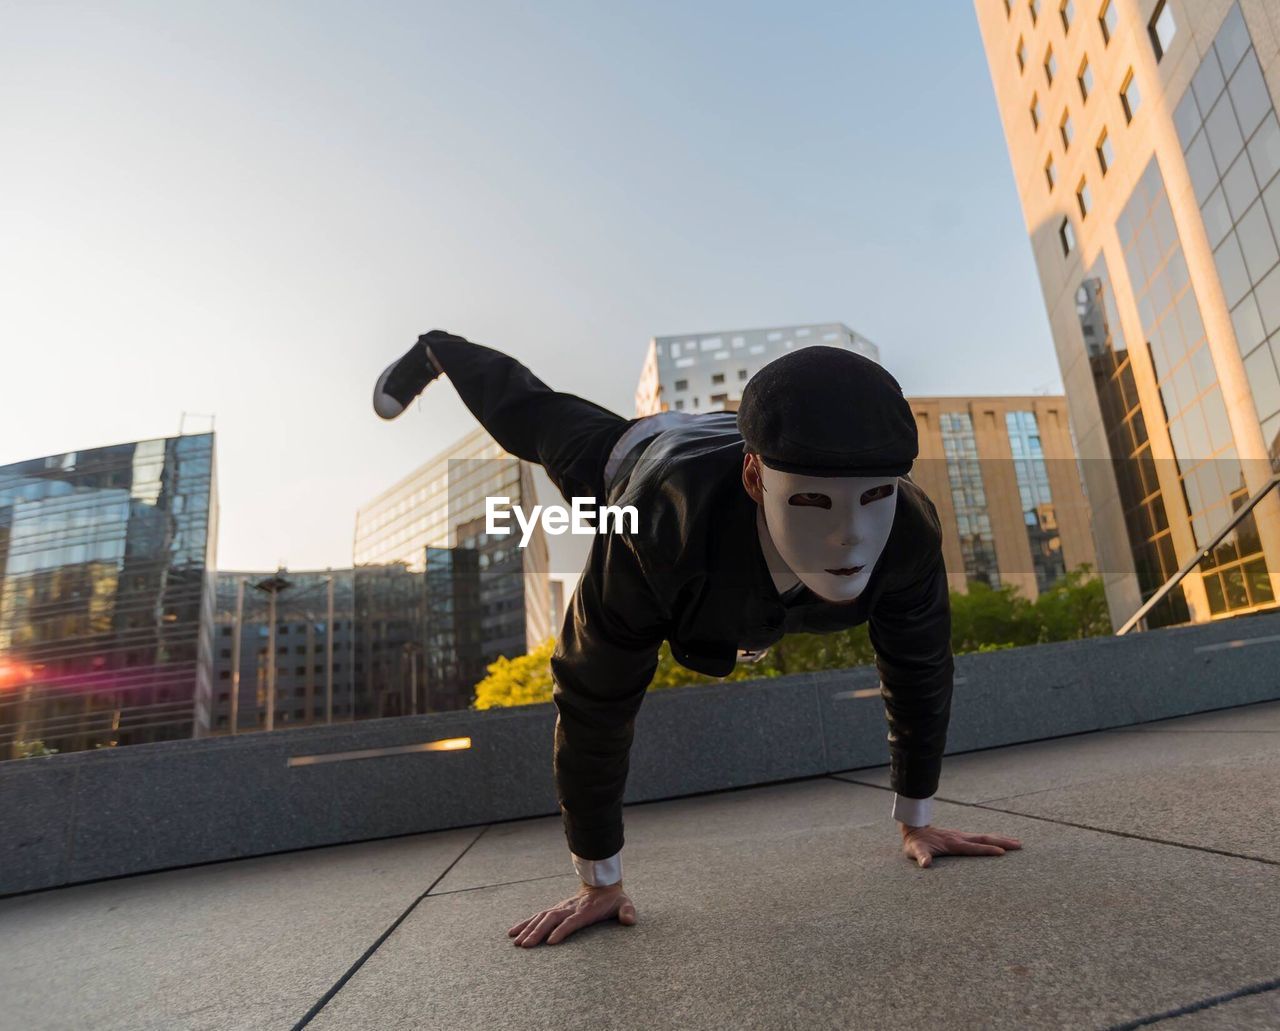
{"points": [[695, 576]]}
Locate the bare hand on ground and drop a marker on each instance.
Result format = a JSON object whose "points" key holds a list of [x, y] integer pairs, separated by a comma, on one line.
{"points": [[923, 843], [589, 906]]}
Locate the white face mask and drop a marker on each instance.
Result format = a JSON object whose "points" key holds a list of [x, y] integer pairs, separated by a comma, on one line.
{"points": [[830, 530]]}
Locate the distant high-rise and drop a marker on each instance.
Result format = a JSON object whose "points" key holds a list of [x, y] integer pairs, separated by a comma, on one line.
{"points": [[315, 656], [107, 596], [1146, 150], [704, 372], [1002, 473], [429, 577]]}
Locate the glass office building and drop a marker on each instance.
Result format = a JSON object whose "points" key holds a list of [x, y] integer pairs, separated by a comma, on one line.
{"points": [[437, 598], [107, 596], [1150, 186]]}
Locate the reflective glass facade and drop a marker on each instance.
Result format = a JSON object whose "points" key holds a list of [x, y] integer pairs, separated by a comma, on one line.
{"points": [[1037, 499], [1146, 521], [437, 597], [107, 596], [1208, 468], [1201, 310], [964, 471], [1229, 132]]}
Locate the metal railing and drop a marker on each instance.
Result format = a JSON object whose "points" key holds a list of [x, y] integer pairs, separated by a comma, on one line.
{"points": [[1202, 554]]}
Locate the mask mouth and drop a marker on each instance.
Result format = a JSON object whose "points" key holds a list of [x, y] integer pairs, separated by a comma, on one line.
{"points": [[846, 571]]}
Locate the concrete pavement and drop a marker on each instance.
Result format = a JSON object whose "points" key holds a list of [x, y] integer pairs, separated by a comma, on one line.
{"points": [[1149, 885]]}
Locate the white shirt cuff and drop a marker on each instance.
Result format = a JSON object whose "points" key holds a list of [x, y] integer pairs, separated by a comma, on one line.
{"points": [[914, 812], [599, 873]]}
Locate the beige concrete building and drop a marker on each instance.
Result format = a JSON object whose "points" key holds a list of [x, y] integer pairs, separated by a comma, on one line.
{"points": [[1145, 146], [1002, 473]]}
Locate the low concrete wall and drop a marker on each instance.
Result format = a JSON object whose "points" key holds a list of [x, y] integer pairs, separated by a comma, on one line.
{"points": [[89, 815]]}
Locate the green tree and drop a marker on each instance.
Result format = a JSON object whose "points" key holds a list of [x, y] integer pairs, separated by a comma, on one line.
{"points": [[985, 616], [524, 680], [982, 620], [30, 749], [1073, 608]]}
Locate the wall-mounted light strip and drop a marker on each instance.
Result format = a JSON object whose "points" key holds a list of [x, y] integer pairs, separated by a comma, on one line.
{"points": [[862, 692], [1241, 643], [446, 744], [874, 692]]}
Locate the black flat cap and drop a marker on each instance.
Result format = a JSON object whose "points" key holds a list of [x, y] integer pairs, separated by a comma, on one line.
{"points": [[824, 411]]}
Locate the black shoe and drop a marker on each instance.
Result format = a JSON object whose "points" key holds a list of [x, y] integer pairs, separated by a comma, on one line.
{"points": [[403, 380]]}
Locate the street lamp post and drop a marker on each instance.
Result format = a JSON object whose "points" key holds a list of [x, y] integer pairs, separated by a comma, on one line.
{"points": [[328, 654], [272, 586], [235, 656]]}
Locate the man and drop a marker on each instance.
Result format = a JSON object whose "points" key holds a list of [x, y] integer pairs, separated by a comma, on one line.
{"points": [[795, 516]]}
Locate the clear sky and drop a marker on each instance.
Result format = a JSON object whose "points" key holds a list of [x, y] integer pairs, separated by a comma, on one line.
{"points": [[248, 208]]}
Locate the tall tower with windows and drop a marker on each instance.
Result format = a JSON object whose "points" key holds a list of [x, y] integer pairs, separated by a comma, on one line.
{"points": [[1146, 150]]}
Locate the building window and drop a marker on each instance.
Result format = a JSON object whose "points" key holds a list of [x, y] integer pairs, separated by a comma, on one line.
{"points": [[717, 378], [719, 399], [1085, 79], [1050, 173], [1162, 28], [1034, 5], [1050, 64], [679, 404], [682, 384], [742, 374], [1021, 54], [1035, 111], [1130, 98], [1083, 197], [1107, 20], [1065, 128], [968, 496], [1067, 12], [1105, 155], [1066, 237]]}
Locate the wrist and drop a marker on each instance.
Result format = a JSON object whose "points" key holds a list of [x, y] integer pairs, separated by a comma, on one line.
{"points": [[598, 889], [913, 812], [599, 873]]}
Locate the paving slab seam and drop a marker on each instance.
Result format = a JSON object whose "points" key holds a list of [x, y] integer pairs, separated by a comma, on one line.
{"points": [[338, 985], [499, 884], [1126, 730], [1085, 826], [247, 857], [1195, 1007]]}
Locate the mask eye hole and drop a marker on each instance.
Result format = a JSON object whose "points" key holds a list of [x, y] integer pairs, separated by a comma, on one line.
{"points": [[809, 500], [885, 490]]}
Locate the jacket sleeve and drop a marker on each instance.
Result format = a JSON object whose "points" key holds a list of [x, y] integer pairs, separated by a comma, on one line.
{"points": [[910, 629], [602, 665]]}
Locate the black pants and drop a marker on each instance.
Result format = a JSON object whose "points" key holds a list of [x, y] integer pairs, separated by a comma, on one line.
{"points": [[567, 435]]}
